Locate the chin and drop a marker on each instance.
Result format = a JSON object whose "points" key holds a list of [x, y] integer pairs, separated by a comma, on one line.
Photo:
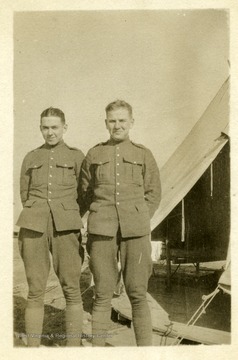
{"points": [[53, 142], [118, 137]]}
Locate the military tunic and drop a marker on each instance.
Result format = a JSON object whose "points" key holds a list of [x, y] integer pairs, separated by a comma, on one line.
{"points": [[121, 184], [49, 183], [50, 223]]}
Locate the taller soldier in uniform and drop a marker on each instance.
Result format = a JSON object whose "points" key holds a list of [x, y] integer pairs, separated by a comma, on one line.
{"points": [[50, 222], [121, 185]]}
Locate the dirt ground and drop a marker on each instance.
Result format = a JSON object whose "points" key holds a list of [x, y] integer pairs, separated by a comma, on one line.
{"points": [[180, 301]]}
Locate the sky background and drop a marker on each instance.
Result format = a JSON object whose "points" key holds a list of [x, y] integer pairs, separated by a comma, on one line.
{"points": [[167, 64]]}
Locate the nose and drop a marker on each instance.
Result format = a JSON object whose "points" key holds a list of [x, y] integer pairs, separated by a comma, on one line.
{"points": [[117, 124], [50, 131]]}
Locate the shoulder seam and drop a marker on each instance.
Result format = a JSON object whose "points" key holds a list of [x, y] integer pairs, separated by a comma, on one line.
{"points": [[39, 147], [72, 147], [139, 145], [100, 144]]}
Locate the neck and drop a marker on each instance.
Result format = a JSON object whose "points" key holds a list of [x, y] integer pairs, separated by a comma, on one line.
{"points": [[113, 141], [48, 146]]}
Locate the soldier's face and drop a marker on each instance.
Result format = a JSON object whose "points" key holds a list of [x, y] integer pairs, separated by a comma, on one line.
{"points": [[52, 129], [118, 123]]}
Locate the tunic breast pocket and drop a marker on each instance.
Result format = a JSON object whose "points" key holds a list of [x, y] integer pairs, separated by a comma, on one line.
{"points": [[65, 173], [102, 169], [133, 170], [37, 173]]}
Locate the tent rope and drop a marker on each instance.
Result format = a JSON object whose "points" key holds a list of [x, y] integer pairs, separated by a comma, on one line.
{"points": [[207, 299]]}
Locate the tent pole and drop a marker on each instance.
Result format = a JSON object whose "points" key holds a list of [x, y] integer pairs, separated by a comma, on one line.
{"points": [[211, 180], [183, 223], [168, 264]]}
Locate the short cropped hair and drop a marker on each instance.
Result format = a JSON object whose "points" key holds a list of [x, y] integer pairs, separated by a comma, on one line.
{"points": [[118, 104], [53, 112]]}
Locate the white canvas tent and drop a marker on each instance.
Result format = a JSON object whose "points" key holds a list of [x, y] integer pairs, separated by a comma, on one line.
{"points": [[186, 166], [192, 158], [194, 155]]}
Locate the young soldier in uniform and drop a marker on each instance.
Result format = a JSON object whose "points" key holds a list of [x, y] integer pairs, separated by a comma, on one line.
{"points": [[121, 185], [50, 222]]}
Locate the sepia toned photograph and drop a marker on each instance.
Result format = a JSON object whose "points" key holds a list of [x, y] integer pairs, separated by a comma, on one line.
{"points": [[122, 186]]}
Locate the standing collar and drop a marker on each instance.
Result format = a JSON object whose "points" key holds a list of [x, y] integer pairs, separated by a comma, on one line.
{"points": [[58, 145], [112, 142]]}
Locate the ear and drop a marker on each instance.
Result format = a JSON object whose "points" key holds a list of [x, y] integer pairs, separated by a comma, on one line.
{"points": [[132, 123], [106, 123], [65, 128]]}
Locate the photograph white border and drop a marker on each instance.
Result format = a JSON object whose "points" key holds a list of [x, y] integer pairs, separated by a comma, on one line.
{"points": [[7, 9]]}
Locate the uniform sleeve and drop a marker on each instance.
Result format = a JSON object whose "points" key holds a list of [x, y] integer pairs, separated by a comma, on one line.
{"points": [[79, 157], [86, 182], [152, 184], [24, 181]]}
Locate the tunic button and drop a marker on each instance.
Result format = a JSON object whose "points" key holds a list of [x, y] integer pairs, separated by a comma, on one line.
{"points": [[49, 199], [51, 166], [118, 154], [134, 162], [49, 183], [51, 158], [118, 193], [50, 192], [50, 175], [117, 164], [118, 203], [118, 174], [118, 183]]}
